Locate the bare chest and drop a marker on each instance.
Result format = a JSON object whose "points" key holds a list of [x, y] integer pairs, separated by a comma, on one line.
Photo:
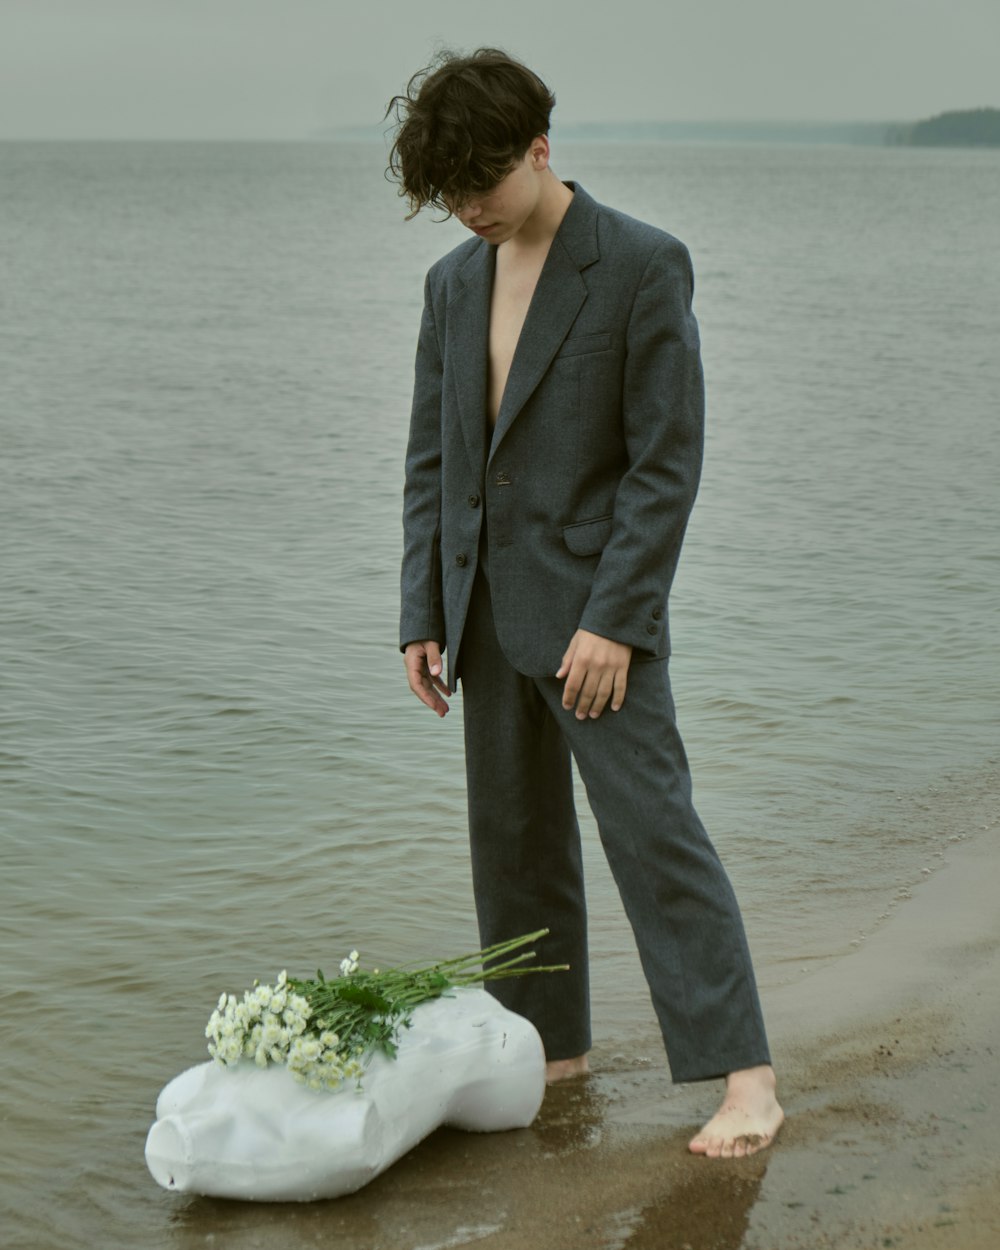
{"points": [[513, 287]]}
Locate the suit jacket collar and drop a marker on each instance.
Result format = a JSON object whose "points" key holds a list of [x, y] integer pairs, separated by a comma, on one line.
{"points": [[555, 304], [468, 330], [578, 229], [557, 299]]}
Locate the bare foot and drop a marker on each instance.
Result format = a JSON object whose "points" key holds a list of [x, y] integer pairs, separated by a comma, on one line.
{"points": [[563, 1069], [748, 1119]]}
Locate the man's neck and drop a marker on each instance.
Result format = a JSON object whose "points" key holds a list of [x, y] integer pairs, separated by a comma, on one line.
{"points": [[541, 227]]}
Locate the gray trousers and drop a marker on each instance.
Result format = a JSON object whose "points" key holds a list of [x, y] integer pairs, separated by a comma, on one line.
{"points": [[527, 869]]}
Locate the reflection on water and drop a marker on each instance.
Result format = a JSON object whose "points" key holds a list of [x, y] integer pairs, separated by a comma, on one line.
{"points": [[571, 1117], [209, 765], [709, 1210]]}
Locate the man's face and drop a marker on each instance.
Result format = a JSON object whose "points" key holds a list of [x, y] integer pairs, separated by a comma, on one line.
{"points": [[498, 214]]}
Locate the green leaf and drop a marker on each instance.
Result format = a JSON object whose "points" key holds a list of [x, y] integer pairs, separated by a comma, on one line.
{"points": [[364, 997]]}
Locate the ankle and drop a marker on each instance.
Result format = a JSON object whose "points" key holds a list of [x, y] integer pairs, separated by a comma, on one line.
{"points": [[761, 1077], [564, 1069]]}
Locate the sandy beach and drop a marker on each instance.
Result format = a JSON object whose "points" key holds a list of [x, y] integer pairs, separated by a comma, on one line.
{"points": [[890, 1077]]}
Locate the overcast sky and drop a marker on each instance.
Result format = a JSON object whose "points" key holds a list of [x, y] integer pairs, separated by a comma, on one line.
{"points": [[293, 68]]}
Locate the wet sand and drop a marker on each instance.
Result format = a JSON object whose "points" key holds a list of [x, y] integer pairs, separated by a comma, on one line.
{"points": [[890, 1074]]}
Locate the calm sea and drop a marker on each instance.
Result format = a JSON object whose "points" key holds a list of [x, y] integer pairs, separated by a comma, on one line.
{"points": [[210, 766]]}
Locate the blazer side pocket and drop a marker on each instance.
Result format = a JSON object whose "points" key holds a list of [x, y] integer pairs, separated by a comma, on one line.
{"points": [[588, 538], [583, 344]]}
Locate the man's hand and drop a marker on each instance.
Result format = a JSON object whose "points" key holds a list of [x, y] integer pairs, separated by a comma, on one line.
{"points": [[423, 672], [596, 670]]}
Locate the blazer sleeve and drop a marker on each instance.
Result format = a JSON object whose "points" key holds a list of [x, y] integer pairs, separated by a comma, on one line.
{"points": [[421, 602], [663, 411]]}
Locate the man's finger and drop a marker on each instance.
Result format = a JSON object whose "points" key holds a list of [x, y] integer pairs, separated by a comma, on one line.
{"points": [[437, 682], [571, 689], [426, 693], [420, 682], [618, 695], [567, 660], [420, 660], [588, 692], [435, 667], [604, 689]]}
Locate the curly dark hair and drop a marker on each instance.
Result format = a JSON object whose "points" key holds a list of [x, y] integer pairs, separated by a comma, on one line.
{"points": [[463, 124]]}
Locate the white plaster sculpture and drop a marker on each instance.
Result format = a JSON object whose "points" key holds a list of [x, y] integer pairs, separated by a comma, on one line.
{"points": [[256, 1134]]}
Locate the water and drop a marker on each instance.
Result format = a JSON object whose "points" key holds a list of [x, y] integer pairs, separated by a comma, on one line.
{"points": [[210, 766]]}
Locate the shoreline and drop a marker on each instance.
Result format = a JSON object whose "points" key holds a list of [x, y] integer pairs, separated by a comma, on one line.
{"points": [[889, 1074]]}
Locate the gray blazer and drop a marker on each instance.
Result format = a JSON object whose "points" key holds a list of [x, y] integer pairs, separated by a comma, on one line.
{"points": [[587, 483]]}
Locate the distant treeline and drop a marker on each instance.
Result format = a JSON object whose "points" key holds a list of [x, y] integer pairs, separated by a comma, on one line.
{"points": [[965, 128]]}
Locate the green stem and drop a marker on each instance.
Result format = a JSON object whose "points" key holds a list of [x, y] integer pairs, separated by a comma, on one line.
{"points": [[401, 989]]}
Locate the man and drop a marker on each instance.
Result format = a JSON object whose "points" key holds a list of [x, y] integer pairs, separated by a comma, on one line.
{"points": [[554, 454]]}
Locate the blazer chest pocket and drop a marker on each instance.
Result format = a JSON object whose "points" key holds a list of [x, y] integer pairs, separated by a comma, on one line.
{"points": [[583, 345], [588, 538]]}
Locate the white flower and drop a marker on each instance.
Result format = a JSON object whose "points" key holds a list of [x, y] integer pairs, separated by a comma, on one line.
{"points": [[349, 965], [230, 1052], [296, 1007]]}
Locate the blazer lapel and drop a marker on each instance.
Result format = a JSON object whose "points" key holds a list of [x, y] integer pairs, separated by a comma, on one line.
{"points": [[468, 333], [557, 299]]}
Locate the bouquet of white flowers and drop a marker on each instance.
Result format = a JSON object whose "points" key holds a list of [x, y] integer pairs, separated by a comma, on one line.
{"points": [[324, 1032]]}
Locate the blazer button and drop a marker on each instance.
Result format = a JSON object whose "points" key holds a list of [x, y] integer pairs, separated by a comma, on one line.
{"points": [[473, 501], [652, 629], [461, 561], [657, 614]]}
